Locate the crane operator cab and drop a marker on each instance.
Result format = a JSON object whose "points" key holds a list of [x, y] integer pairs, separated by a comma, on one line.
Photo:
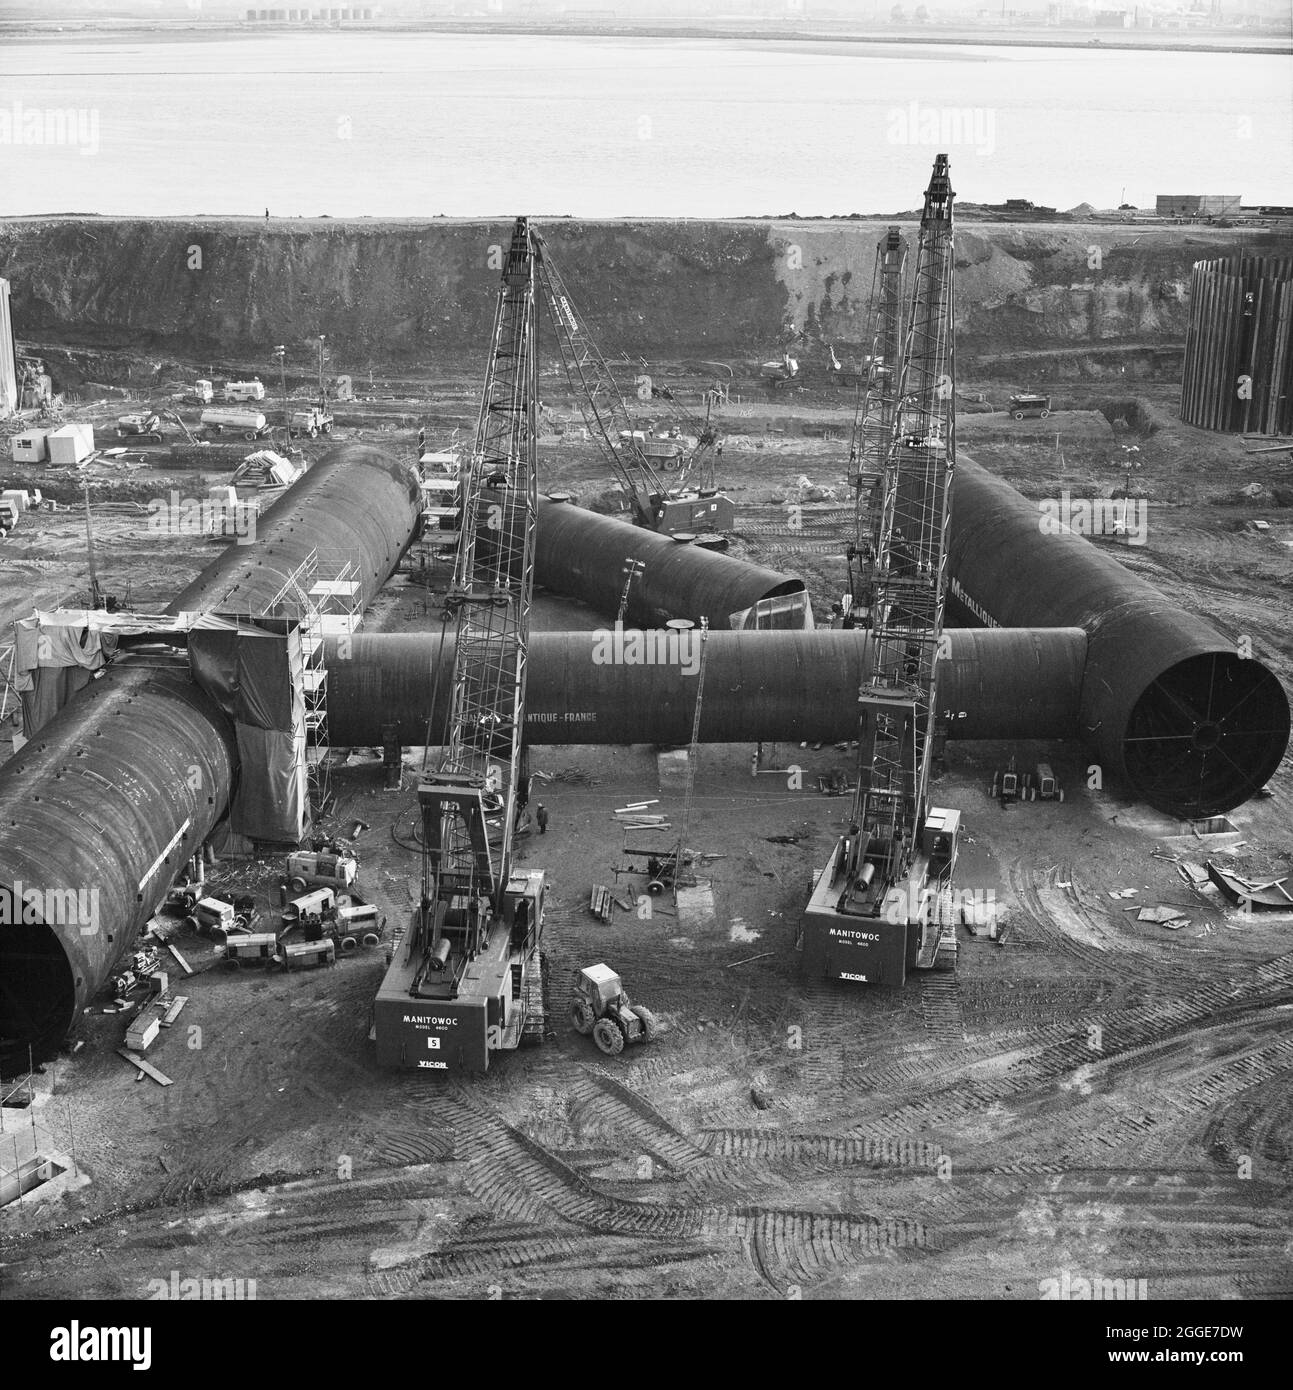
{"points": [[874, 914]]}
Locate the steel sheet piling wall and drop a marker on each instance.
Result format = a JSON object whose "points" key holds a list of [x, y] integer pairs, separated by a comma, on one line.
{"points": [[1238, 373]]}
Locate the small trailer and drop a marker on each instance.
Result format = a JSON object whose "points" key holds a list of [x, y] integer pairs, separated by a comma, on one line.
{"points": [[250, 948], [299, 954]]}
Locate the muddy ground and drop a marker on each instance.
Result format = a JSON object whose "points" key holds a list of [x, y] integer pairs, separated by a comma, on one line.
{"points": [[1097, 1094]]}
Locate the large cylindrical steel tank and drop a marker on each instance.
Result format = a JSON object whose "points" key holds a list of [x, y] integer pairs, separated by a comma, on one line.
{"points": [[113, 794], [357, 504], [97, 815], [1170, 704], [1238, 372], [634, 687], [583, 555]]}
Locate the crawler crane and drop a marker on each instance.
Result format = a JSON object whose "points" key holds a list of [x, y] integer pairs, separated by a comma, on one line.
{"points": [[464, 980], [877, 908], [671, 509]]}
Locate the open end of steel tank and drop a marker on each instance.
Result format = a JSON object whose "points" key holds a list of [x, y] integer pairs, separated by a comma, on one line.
{"points": [[1206, 734], [37, 985], [1168, 703]]}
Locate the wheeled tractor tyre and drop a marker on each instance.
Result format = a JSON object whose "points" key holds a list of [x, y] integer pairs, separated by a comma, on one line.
{"points": [[297, 884], [650, 1024], [581, 1017], [608, 1037]]}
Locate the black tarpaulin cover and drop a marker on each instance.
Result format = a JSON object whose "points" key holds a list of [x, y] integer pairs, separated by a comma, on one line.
{"points": [[55, 655], [256, 678]]}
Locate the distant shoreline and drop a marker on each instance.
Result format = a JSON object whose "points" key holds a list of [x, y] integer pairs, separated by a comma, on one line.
{"points": [[1140, 41]]}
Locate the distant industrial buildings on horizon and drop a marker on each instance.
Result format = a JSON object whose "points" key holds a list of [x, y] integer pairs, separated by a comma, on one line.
{"points": [[1167, 14]]}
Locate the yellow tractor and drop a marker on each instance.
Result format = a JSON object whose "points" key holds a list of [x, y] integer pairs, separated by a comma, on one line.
{"points": [[601, 1007]]}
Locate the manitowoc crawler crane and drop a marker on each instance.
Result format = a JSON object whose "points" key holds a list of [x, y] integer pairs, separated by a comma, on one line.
{"points": [[671, 509], [464, 980], [881, 905]]}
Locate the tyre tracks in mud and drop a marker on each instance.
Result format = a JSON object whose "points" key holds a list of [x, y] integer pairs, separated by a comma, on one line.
{"points": [[714, 1193], [979, 1076], [559, 1206], [558, 1209]]}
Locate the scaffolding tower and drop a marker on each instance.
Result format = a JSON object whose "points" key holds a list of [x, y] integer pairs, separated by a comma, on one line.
{"points": [[322, 607]]}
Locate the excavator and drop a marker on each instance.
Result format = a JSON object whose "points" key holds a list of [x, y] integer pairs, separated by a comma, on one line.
{"points": [[881, 906], [464, 981], [148, 425], [670, 508]]}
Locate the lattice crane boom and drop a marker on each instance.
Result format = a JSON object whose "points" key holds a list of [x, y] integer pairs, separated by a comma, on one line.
{"points": [[910, 574], [874, 419], [489, 602], [598, 395], [653, 503]]}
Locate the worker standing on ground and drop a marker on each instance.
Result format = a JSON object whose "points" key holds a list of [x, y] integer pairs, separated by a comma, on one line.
{"points": [[541, 815]]}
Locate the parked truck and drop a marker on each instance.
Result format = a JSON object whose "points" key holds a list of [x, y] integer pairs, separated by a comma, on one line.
{"points": [[320, 867], [1029, 405], [313, 422], [253, 390]]}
